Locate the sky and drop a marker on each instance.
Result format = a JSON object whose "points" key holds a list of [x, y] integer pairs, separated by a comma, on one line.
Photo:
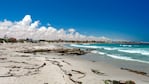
{"points": [[114, 19]]}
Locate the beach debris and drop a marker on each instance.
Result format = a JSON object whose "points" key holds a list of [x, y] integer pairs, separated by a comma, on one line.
{"points": [[13, 66], [44, 64], [13, 61], [97, 72], [130, 82], [61, 50], [57, 63], [135, 71], [46, 83], [74, 81], [79, 72], [56, 58], [66, 62], [92, 60], [15, 71], [118, 82], [107, 81], [24, 55], [9, 74], [4, 58], [67, 73]]}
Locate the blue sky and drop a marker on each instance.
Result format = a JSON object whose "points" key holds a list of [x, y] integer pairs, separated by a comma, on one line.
{"points": [[116, 19]]}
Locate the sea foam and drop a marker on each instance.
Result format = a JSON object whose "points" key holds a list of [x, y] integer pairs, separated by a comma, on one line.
{"points": [[142, 52]]}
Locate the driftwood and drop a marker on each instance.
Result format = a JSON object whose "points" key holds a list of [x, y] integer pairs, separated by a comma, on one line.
{"points": [[79, 72], [97, 72], [135, 71], [66, 62], [118, 82]]}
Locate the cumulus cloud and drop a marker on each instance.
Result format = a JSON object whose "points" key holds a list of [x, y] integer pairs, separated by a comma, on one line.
{"points": [[26, 28], [71, 30]]}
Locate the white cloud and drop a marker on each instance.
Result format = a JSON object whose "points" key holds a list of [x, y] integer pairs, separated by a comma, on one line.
{"points": [[71, 30], [26, 20], [28, 29]]}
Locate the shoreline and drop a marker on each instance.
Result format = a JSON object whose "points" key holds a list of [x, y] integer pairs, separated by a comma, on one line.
{"points": [[42, 67], [101, 54], [144, 67]]}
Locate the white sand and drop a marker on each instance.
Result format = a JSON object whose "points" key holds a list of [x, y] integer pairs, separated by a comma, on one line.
{"points": [[52, 68]]}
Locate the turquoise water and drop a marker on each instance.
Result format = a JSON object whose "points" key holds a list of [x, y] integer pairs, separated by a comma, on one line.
{"points": [[137, 53]]}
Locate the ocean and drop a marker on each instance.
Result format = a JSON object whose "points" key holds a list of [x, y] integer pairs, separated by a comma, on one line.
{"points": [[132, 56], [132, 52]]}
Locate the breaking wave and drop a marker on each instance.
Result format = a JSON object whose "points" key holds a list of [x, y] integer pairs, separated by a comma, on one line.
{"points": [[123, 52]]}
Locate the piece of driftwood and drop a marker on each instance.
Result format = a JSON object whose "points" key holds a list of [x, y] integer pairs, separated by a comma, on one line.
{"points": [[118, 82], [135, 71], [97, 72]]}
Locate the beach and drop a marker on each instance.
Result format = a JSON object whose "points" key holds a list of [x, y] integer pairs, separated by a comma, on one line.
{"points": [[22, 63]]}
